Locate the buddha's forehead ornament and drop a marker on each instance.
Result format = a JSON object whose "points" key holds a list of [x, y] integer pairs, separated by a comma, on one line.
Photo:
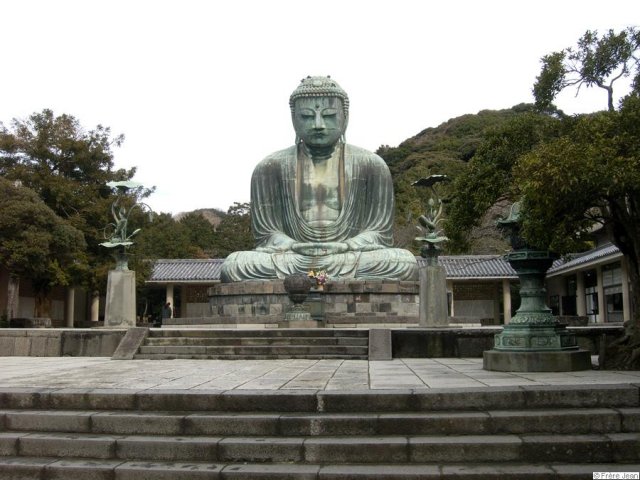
{"points": [[320, 87]]}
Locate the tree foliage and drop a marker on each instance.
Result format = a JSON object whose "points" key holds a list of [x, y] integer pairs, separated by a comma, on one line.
{"points": [[193, 236], [68, 167], [595, 61], [35, 242], [234, 232], [201, 233], [488, 178], [445, 149], [164, 237], [589, 176]]}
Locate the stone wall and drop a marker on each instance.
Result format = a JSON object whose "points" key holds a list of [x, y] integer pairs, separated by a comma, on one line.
{"points": [[43, 342], [471, 342]]}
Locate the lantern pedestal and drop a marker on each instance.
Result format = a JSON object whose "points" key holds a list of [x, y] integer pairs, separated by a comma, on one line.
{"points": [[534, 341]]}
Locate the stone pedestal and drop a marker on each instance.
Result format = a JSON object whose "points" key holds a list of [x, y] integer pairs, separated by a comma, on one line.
{"points": [[534, 341], [433, 297], [552, 361], [342, 303], [298, 317], [120, 307], [380, 344]]}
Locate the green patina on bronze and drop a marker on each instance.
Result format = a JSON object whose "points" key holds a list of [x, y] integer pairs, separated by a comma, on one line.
{"points": [[430, 222], [116, 233], [321, 204], [533, 327]]}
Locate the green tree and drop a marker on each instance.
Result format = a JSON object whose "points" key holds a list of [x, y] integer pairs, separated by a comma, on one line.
{"points": [[596, 61], [201, 233], [590, 176], [488, 177], [68, 167], [36, 243], [234, 232], [571, 173], [164, 237], [445, 149]]}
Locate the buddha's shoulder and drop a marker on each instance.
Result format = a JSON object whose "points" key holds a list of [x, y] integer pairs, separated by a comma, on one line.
{"points": [[364, 154], [278, 157]]}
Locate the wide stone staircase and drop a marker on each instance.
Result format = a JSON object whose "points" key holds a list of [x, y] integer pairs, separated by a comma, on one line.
{"points": [[260, 344], [482, 433]]}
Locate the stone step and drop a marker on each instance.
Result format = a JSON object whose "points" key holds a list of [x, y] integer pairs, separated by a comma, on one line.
{"points": [[265, 344], [172, 356], [529, 448], [567, 421], [511, 432], [326, 401], [238, 341], [42, 467], [271, 350], [269, 333]]}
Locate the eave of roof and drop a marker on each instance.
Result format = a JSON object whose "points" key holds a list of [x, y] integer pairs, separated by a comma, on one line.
{"points": [[186, 271], [458, 267], [602, 254]]}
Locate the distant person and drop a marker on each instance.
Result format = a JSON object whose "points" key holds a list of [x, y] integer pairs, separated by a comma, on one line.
{"points": [[167, 312]]}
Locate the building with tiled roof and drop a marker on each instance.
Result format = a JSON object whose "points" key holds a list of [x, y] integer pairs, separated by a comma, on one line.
{"points": [[188, 270], [594, 284], [459, 267], [479, 286]]}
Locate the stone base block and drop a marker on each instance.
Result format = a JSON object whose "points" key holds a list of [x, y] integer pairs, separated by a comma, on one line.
{"points": [[120, 307], [296, 315], [301, 324], [380, 347], [558, 361], [341, 301], [433, 297]]}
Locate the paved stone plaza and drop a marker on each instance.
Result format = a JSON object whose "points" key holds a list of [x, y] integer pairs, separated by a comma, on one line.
{"points": [[92, 372]]}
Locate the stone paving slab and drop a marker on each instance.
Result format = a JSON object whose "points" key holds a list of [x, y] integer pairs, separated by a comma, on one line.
{"points": [[290, 374]]}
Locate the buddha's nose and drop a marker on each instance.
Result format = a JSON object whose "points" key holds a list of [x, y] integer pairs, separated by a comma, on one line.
{"points": [[319, 124]]}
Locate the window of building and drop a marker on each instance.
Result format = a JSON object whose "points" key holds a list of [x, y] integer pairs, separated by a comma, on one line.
{"points": [[612, 283], [591, 294], [569, 300]]}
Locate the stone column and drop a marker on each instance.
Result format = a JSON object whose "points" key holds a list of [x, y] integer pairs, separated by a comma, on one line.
{"points": [[453, 302], [581, 301], [120, 309], [626, 297], [506, 299], [95, 306], [602, 313], [169, 297], [433, 297], [496, 304], [13, 296], [70, 306]]}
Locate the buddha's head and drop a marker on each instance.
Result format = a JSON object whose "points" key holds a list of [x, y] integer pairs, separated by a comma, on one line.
{"points": [[320, 111]]}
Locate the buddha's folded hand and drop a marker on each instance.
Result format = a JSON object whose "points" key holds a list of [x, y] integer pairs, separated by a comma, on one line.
{"points": [[319, 249]]}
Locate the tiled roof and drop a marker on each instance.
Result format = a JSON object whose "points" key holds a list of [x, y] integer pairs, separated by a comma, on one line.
{"points": [[208, 270], [584, 258], [187, 270], [475, 267]]}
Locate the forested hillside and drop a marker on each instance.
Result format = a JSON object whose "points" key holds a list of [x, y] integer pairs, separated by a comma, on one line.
{"points": [[444, 149]]}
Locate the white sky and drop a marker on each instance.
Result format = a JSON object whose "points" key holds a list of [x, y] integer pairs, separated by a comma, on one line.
{"points": [[201, 88]]}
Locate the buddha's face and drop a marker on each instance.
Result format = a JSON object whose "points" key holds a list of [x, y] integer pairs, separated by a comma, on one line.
{"points": [[319, 121]]}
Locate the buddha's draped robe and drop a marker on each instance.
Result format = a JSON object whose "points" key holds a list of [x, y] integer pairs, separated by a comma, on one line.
{"points": [[364, 223]]}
